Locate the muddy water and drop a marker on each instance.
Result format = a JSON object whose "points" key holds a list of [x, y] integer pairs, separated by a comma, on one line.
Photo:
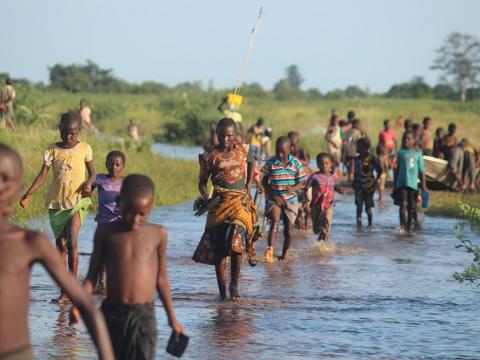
{"points": [[372, 294]]}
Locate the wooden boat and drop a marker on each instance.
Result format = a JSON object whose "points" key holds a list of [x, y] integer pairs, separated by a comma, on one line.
{"points": [[438, 174]]}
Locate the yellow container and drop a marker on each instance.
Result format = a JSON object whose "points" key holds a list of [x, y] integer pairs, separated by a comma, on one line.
{"points": [[235, 100]]}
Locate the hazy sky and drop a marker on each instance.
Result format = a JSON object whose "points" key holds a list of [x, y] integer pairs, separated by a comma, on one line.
{"points": [[371, 43]]}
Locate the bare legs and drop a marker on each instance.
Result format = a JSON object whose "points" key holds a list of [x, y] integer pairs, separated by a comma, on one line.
{"points": [[275, 215], [67, 244], [221, 269]]}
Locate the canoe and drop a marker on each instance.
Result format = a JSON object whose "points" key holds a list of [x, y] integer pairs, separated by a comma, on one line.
{"points": [[438, 174]]}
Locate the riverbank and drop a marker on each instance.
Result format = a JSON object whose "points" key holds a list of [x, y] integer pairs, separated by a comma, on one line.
{"points": [[175, 179], [445, 203]]}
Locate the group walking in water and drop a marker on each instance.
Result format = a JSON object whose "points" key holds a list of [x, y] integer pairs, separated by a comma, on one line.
{"points": [[128, 262]]}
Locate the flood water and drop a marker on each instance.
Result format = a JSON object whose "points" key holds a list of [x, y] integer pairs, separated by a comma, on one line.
{"points": [[373, 295]]}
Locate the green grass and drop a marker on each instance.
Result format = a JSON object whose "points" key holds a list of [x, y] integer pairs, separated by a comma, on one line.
{"points": [[175, 181], [442, 203]]}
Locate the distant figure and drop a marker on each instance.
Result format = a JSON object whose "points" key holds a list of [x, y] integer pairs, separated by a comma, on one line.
{"points": [[469, 167], [135, 254], [283, 177], [231, 111], [409, 170], [456, 162], [68, 197], [255, 133], [8, 97], [427, 140], [399, 122], [133, 132], [333, 136], [21, 249], [367, 172], [266, 142], [439, 143], [86, 117], [305, 198], [408, 124], [417, 132], [353, 135], [323, 188]]}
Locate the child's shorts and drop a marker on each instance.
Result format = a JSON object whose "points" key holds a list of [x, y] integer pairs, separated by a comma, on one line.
{"points": [[289, 212], [405, 195], [364, 197]]}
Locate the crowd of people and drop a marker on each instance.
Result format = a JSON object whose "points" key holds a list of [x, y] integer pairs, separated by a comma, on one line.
{"points": [[126, 247]]}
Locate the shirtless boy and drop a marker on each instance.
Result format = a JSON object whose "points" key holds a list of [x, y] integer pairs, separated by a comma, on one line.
{"points": [[134, 252], [19, 250]]}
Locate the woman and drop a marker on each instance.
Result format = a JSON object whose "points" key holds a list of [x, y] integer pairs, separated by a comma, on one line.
{"points": [[232, 218]]}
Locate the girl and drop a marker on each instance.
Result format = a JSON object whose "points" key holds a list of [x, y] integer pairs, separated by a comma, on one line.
{"points": [[109, 186], [68, 198], [323, 187]]}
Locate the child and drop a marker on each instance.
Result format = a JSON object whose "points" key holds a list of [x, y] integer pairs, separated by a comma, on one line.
{"points": [[408, 171], [68, 198], [21, 249], [439, 143], [353, 135], [333, 137], [134, 252], [133, 132], [108, 186], [364, 181], [294, 137], [304, 222], [323, 187], [283, 176], [427, 141]]}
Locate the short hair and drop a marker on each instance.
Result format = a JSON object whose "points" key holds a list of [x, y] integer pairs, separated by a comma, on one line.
{"points": [[405, 134], [451, 127], [341, 123], [70, 118], [385, 122], [333, 118], [293, 135], [426, 119], [116, 153], [351, 115], [260, 121], [226, 123], [439, 130], [355, 122], [415, 127], [8, 81], [408, 123], [322, 155], [137, 186], [10, 152], [282, 140], [364, 142]]}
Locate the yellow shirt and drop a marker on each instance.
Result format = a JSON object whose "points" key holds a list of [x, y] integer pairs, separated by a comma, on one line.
{"points": [[68, 166]]}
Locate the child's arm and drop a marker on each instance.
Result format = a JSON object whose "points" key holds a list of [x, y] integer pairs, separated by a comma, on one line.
{"points": [[94, 321], [163, 284], [378, 167], [37, 183], [87, 186], [250, 173], [339, 189]]}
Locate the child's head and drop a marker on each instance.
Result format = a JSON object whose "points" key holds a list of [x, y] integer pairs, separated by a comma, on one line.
{"points": [[427, 121], [407, 125], [387, 124], [83, 103], [333, 120], [282, 148], [115, 162], [452, 128], [350, 116], [70, 126], [440, 133], [416, 128], [294, 137], [325, 163], [259, 121], [408, 140], [226, 132], [342, 123], [10, 178], [136, 199], [363, 145]]}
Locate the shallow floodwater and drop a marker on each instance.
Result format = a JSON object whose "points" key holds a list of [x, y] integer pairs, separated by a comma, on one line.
{"points": [[177, 151], [374, 294]]}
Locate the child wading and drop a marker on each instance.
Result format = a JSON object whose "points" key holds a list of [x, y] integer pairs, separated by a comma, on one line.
{"points": [[364, 180], [20, 250], [323, 187], [283, 176], [232, 224], [68, 198], [134, 252], [409, 170], [109, 186]]}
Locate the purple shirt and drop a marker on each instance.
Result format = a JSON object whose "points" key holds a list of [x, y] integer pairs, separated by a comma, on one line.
{"points": [[108, 190]]}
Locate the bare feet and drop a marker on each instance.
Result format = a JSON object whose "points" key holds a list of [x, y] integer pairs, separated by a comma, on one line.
{"points": [[269, 254], [62, 299], [234, 295]]}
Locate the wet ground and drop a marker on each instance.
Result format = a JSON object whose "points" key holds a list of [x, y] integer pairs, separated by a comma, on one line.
{"points": [[371, 294]]}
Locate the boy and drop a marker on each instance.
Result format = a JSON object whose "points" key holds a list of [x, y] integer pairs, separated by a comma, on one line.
{"points": [[353, 135], [283, 176], [20, 249], [408, 171], [134, 252], [427, 140], [364, 181]]}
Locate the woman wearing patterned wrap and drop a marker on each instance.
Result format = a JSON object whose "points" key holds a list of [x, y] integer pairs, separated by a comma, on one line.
{"points": [[231, 224]]}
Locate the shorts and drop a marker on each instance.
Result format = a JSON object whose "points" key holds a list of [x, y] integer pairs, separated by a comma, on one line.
{"points": [[364, 197], [289, 212], [405, 195]]}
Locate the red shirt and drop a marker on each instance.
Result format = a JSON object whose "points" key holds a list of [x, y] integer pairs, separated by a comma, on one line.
{"points": [[387, 138]]}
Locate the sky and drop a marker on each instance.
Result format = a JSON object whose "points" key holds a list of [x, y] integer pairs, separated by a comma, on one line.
{"points": [[369, 43]]}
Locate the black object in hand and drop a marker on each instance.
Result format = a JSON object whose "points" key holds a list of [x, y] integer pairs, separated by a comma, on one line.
{"points": [[177, 347]]}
